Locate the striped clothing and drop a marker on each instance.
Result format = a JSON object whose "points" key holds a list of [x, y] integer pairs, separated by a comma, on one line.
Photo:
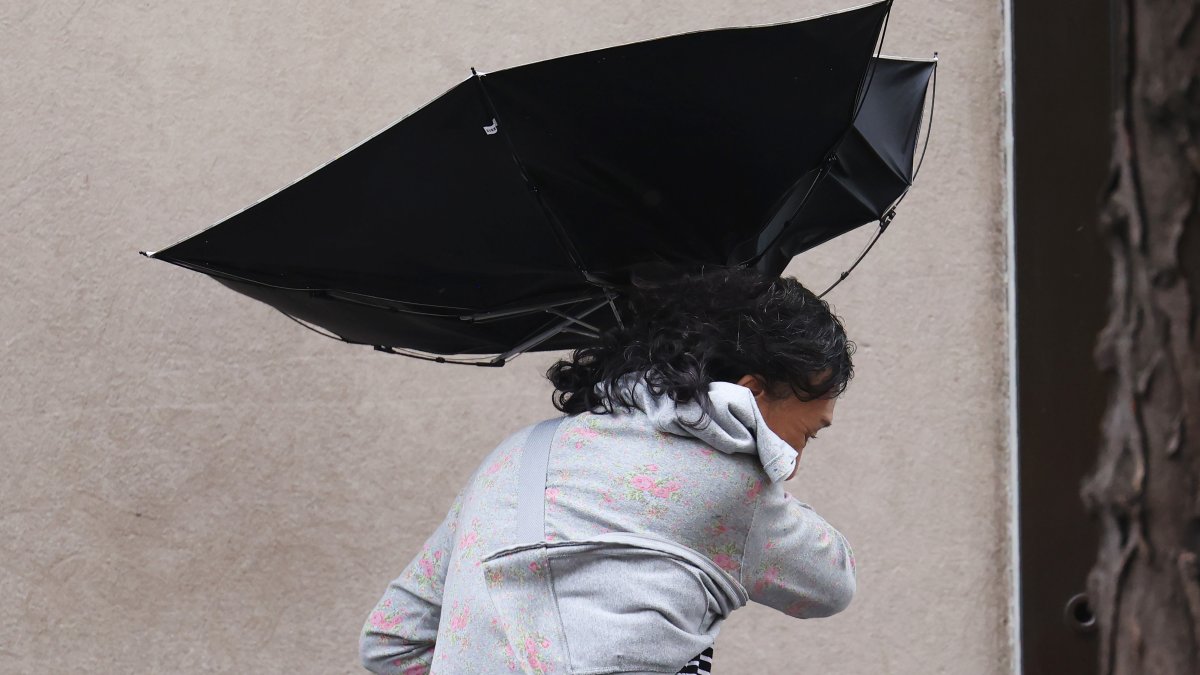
{"points": [[701, 665]]}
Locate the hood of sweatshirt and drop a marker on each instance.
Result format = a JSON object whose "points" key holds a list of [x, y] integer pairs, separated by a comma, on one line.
{"points": [[736, 424]]}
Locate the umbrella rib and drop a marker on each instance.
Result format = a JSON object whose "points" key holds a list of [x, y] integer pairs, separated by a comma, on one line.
{"points": [[578, 331], [891, 212], [550, 332], [865, 83], [494, 363], [328, 292], [929, 128], [595, 331], [895, 171], [525, 309], [883, 224], [821, 174], [556, 227], [612, 305], [318, 332], [392, 350]]}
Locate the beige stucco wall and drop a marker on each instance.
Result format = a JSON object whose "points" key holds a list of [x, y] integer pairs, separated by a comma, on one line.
{"points": [[192, 483]]}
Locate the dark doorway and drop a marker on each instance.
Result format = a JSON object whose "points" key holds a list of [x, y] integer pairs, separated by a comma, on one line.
{"points": [[1061, 109]]}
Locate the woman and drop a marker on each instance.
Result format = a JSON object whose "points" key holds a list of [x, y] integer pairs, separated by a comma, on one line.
{"points": [[617, 538]]}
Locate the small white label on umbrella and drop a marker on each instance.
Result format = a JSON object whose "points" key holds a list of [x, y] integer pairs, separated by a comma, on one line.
{"points": [[492, 128]]}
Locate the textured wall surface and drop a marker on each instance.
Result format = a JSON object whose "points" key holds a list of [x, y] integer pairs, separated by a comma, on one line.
{"points": [[192, 483]]}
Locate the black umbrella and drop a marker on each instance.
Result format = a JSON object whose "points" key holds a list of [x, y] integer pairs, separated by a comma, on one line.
{"points": [[506, 215]]}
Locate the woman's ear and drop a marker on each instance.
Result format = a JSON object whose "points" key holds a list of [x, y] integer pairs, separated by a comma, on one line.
{"points": [[752, 382]]}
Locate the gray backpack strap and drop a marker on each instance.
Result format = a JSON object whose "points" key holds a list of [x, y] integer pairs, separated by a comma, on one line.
{"points": [[531, 482]]}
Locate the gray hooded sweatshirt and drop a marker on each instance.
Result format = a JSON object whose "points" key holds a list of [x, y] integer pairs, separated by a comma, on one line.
{"points": [[611, 543]]}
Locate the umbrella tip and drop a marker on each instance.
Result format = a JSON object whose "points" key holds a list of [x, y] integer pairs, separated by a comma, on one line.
{"points": [[148, 254]]}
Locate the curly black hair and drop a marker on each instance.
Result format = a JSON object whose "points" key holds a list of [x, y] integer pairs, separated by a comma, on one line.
{"points": [[717, 325]]}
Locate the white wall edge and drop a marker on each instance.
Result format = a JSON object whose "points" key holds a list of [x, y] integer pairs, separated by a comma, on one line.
{"points": [[1010, 273]]}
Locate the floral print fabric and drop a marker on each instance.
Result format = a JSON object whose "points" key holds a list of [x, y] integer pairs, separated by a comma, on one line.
{"points": [[606, 473]]}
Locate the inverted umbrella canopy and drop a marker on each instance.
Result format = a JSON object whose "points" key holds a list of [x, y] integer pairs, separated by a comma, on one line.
{"points": [[507, 215]]}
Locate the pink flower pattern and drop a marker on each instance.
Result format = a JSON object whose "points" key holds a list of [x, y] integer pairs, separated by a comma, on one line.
{"points": [[385, 618], [532, 647], [493, 577], [727, 556], [503, 464], [457, 633], [718, 529], [755, 488], [417, 669], [469, 543], [425, 573], [646, 480], [726, 562], [581, 437], [607, 473], [768, 576]]}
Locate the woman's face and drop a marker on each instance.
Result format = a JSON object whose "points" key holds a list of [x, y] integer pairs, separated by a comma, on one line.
{"points": [[793, 420]]}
